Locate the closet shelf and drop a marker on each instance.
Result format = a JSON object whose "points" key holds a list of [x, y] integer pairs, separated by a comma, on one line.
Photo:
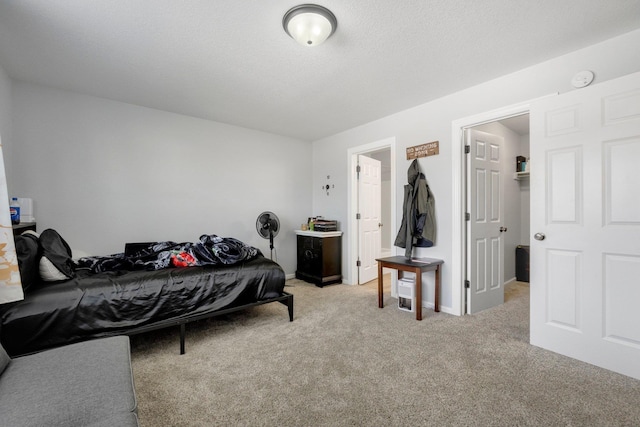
{"points": [[521, 175]]}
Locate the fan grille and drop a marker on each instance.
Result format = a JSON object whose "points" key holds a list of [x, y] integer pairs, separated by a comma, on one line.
{"points": [[267, 224]]}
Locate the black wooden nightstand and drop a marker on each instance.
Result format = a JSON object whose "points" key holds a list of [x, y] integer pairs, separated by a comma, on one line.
{"points": [[319, 257]]}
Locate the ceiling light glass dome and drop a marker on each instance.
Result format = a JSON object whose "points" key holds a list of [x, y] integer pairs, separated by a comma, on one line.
{"points": [[309, 24]]}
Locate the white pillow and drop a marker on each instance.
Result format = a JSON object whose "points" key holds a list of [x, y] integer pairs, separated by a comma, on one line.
{"points": [[79, 253], [49, 272]]}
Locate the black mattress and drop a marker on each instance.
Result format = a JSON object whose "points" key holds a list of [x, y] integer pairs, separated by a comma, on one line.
{"points": [[122, 302]]}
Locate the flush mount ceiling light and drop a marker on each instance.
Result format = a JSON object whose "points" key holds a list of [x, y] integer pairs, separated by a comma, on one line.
{"points": [[309, 24]]}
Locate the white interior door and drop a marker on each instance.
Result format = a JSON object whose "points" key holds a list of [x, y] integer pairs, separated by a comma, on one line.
{"points": [[485, 245], [585, 206], [370, 209]]}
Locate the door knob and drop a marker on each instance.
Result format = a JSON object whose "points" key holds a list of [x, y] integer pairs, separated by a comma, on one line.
{"points": [[503, 229], [539, 236]]}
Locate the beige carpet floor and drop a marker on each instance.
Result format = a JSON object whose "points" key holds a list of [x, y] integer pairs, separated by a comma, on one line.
{"points": [[345, 362]]}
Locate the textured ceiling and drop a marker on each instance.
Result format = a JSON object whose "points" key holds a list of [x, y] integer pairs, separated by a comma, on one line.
{"points": [[230, 60]]}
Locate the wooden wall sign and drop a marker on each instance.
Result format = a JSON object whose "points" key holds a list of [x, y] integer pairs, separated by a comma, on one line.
{"points": [[424, 150]]}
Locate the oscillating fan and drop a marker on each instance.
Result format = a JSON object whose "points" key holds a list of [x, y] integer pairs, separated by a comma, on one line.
{"points": [[268, 226]]}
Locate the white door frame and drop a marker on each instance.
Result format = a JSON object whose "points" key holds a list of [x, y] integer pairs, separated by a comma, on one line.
{"points": [[352, 200], [458, 259]]}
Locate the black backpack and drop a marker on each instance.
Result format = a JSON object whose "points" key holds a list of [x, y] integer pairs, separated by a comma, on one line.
{"points": [[56, 250], [29, 254]]}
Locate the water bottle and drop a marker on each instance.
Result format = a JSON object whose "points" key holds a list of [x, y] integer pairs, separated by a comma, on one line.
{"points": [[14, 209]]}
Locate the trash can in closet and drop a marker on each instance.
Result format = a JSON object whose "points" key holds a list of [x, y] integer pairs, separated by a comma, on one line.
{"points": [[522, 263]]}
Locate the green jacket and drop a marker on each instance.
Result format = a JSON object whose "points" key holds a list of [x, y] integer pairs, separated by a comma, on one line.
{"points": [[418, 226]]}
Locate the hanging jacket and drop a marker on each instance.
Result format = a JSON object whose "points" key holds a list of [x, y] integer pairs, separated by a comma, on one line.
{"points": [[418, 226]]}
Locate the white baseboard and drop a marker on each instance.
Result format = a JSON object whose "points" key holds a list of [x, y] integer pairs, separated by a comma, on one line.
{"points": [[443, 309]]}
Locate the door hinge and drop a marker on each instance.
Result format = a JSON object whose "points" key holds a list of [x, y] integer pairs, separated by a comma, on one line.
{"points": [[467, 285], [358, 263], [358, 172], [357, 216], [467, 149], [467, 216]]}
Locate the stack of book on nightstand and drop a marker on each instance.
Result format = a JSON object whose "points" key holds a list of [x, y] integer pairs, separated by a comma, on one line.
{"points": [[325, 225]]}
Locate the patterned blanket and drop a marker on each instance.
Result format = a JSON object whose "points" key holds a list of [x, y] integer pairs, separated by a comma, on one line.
{"points": [[209, 250]]}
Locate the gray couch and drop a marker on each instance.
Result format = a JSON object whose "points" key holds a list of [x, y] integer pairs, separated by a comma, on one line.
{"points": [[84, 384]]}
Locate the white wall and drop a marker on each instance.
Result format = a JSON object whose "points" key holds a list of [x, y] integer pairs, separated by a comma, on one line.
{"points": [[386, 239], [5, 115], [104, 173], [433, 121], [525, 195]]}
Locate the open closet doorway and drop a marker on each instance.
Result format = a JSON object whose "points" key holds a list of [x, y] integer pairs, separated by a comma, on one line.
{"points": [[497, 200], [371, 208]]}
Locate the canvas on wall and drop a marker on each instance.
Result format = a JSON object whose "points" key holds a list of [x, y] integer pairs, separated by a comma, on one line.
{"points": [[10, 283]]}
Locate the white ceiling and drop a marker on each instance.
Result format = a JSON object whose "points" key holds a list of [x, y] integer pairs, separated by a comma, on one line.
{"points": [[518, 124], [231, 61]]}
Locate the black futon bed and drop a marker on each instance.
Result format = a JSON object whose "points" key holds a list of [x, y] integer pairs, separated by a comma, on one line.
{"points": [[92, 305]]}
